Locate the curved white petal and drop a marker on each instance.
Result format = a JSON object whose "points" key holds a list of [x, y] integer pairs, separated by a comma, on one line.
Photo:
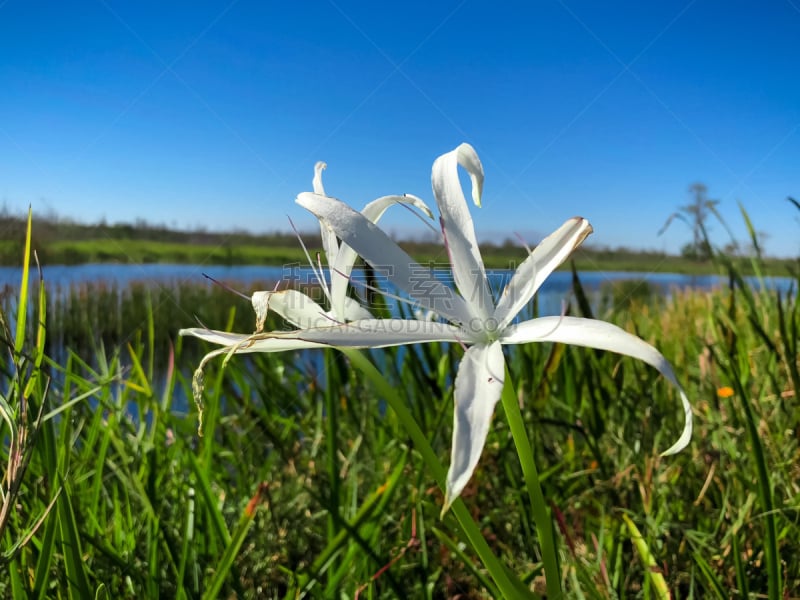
{"points": [[479, 383], [223, 338], [342, 267], [545, 258], [366, 333], [329, 242], [317, 181], [592, 333], [375, 247], [354, 311], [378, 333], [459, 231], [375, 209], [239, 343], [296, 307]]}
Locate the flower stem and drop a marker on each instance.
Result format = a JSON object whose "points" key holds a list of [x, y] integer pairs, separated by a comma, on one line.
{"points": [[541, 514], [498, 572], [332, 420]]}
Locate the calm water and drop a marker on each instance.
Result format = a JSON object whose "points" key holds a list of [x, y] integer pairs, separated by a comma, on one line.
{"points": [[555, 289], [550, 298]]}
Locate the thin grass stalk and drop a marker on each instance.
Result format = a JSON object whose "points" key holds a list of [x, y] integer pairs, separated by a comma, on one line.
{"points": [[756, 258], [15, 571], [226, 561], [45, 560], [788, 333], [332, 421], [653, 575], [453, 547], [153, 563], [771, 552], [713, 583], [741, 573], [218, 527], [22, 306], [187, 547], [541, 514]]}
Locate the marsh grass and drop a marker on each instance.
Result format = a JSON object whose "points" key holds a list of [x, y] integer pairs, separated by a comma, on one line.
{"points": [[305, 482], [99, 316]]}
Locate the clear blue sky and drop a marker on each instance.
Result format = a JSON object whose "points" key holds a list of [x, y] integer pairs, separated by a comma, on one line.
{"points": [[198, 114]]}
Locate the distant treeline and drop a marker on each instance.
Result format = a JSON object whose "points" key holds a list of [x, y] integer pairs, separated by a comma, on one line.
{"points": [[63, 241], [58, 229]]}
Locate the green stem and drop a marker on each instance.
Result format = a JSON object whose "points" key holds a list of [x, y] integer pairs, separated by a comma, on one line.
{"points": [[541, 514], [764, 485], [496, 569], [332, 421]]}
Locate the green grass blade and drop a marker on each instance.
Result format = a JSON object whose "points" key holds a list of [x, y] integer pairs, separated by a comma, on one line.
{"points": [[187, 548], [225, 563], [15, 580], [741, 572], [755, 260], [584, 305], [713, 582], [44, 562], [209, 500], [331, 393], [650, 566], [153, 562], [22, 307], [789, 338], [74, 566], [453, 547], [771, 553], [541, 514]]}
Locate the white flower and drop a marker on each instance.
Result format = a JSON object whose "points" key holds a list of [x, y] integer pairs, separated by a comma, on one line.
{"points": [[296, 307], [475, 319], [478, 322], [300, 309]]}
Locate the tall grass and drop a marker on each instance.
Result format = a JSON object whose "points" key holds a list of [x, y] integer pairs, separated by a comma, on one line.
{"points": [[307, 484], [103, 317]]}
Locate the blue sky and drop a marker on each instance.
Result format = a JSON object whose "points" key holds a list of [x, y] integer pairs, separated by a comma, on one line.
{"points": [[213, 114]]}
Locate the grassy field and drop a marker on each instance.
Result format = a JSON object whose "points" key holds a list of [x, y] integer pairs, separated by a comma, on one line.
{"points": [[317, 473]]}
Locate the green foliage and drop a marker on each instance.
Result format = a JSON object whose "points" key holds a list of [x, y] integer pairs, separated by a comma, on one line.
{"points": [[310, 482]]}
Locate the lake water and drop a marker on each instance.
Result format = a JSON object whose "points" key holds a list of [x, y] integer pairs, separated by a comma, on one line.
{"points": [[550, 298], [553, 292]]}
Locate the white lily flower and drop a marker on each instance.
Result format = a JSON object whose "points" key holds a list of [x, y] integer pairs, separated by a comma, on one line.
{"points": [[477, 321], [300, 309], [296, 307]]}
